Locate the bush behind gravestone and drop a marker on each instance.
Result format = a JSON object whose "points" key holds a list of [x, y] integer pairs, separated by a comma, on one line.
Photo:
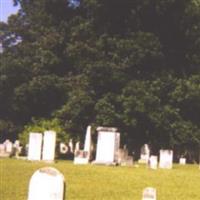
{"points": [[41, 125]]}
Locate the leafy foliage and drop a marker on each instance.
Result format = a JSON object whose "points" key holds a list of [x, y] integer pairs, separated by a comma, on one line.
{"points": [[130, 64]]}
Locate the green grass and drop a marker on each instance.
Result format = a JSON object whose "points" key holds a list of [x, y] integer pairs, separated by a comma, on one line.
{"points": [[103, 182]]}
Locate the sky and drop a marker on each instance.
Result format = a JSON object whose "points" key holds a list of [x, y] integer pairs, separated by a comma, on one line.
{"points": [[6, 9]]}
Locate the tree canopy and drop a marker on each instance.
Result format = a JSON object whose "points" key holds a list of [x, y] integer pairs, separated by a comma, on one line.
{"points": [[130, 64]]}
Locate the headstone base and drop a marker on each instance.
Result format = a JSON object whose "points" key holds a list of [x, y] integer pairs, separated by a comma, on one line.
{"points": [[81, 161], [104, 163]]}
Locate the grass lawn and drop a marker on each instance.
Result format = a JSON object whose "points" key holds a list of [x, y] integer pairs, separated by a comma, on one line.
{"points": [[103, 182]]}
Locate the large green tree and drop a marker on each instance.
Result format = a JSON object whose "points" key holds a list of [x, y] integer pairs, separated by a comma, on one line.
{"points": [[129, 64]]}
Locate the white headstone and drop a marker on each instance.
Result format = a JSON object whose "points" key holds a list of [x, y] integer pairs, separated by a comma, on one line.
{"points": [[71, 146], [49, 145], [8, 146], [166, 159], [182, 161], [2, 148], [3, 151], [149, 193], [46, 184], [81, 157], [107, 145], [153, 162], [35, 146], [88, 141], [144, 154], [77, 146]]}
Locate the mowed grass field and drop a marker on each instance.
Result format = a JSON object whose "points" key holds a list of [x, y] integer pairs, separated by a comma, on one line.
{"points": [[91, 182]]}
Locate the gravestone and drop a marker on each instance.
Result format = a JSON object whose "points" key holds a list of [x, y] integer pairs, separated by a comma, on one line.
{"points": [[49, 145], [153, 162], [182, 161], [149, 193], [77, 146], [8, 146], [107, 146], [17, 148], [88, 141], [81, 157], [71, 146], [123, 157], [35, 146], [144, 154], [166, 159], [3, 151], [46, 184]]}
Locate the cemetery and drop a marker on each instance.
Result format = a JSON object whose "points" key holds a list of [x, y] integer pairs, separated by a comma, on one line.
{"points": [[89, 182], [111, 174], [99, 100]]}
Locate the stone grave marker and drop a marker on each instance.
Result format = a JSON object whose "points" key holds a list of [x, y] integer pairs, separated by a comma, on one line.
{"points": [[3, 151], [149, 193], [166, 159], [49, 145], [77, 146], [81, 157], [153, 162], [8, 147], [88, 141], [71, 146], [107, 146], [182, 161], [144, 154], [123, 157], [46, 184], [35, 146]]}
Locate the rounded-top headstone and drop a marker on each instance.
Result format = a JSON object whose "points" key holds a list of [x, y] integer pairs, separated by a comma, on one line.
{"points": [[46, 184]]}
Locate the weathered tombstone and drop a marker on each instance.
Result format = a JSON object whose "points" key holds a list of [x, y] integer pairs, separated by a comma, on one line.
{"points": [[81, 157], [35, 146], [2, 148], [88, 141], [107, 146], [182, 161], [49, 145], [8, 147], [144, 154], [77, 146], [149, 193], [46, 184], [153, 162], [166, 159], [3, 151], [71, 146], [17, 148]]}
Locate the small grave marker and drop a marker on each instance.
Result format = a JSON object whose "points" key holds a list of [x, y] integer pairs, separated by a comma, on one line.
{"points": [[182, 161], [149, 193], [144, 154], [46, 184], [153, 162]]}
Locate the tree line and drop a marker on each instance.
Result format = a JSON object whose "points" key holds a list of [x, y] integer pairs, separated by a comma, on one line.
{"points": [[134, 65]]}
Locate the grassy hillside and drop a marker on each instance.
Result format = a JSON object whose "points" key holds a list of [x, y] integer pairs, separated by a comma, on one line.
{"points": [[103, 182]]}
